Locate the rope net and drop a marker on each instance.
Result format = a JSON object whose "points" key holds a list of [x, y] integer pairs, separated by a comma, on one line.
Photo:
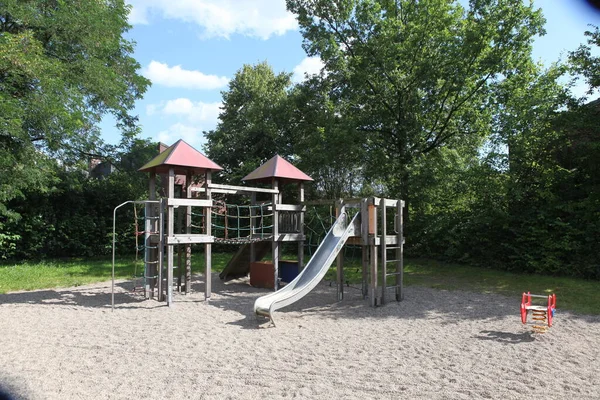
{"points": [[319, 219], [236, 224]]}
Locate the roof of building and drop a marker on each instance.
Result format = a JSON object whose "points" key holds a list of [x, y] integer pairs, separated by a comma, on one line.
{"points": [[183, 158], [277, 167]]}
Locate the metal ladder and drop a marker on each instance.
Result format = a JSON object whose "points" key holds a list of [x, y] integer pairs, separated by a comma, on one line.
{"points": [[153, 234], [398, 248]]}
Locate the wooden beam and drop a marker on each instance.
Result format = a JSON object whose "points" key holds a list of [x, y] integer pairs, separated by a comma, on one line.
{"points": [[288, 207], [275, 245], [170, 232], [189, 239], [208, 246], [189, 202], [246, 189]]}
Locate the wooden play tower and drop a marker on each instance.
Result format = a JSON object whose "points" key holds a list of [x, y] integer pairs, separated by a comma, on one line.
{"points": [[185, 196], [169, 231]]}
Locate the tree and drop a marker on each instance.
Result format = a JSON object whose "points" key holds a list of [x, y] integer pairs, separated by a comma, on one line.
{"points": [[417, 75], [64, 64], [253, 124], [585, 63], [325, 143]]}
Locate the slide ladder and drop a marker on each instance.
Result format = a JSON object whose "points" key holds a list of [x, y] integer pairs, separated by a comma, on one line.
{"points": [[314, 271], [397, 264]]}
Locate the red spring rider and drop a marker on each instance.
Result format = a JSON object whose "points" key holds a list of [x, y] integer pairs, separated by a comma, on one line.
{"points": [[541, 314]]}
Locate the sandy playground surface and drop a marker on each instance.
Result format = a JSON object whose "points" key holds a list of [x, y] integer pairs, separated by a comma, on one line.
{"points": [[67, 344]]}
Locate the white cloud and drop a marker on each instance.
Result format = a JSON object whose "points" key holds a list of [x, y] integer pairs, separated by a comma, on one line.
{"points": [[205, 113], [151, 109], [197, 117], [221, 18], [308, 66], [176, 76], [191, 134], [137, 15]]}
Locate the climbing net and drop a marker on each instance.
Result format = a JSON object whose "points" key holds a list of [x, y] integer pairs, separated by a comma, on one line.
{"points": [[237, 224], [319, 220]]}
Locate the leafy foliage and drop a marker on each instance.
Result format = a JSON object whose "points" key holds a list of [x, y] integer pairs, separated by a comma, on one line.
{"points": [[253, 123], [418, 75], [63, 65]]}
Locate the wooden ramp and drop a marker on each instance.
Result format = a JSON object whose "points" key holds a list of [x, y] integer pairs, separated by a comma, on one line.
{"points": [[239, 265]]}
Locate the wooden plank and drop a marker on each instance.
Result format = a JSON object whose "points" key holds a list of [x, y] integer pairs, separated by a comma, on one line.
{"points": [[289, 237], [208, 246], [400, 253], [289, 207], [161, 250], [364, 210], [221, 191], [252, 226], [189, 202], [170, 232], [388, 202], [373, 295], [301, 242], [383, 247], [389, 240], [189, 239], [275, 245], [188, 230], [242, 189]]}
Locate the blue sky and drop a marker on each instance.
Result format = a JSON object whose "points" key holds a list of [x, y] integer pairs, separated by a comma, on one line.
{"points": [[190, 49]]}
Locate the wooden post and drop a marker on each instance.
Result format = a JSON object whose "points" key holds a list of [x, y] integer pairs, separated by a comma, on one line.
{"points": [[178, 229], [373, 295], [364, 217], [383, 247], [275, 245], [400, 253], [161, 250], [301, 228], [170, 233], [339, 209], [252, 225], [188, 230], [208, 246]]}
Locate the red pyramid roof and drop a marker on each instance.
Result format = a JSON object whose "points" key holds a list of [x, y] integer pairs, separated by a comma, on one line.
{"points": [[182, 157], [277, 167]]}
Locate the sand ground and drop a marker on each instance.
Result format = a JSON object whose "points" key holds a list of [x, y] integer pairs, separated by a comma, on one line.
{"points": [[67, 344]]}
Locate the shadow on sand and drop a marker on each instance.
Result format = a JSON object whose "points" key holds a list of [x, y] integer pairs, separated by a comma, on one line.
{"points": [[89, 296]]}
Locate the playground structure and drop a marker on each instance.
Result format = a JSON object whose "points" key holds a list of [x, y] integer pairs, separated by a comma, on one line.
{"points": [[357, 223], [172, 224], [542, 315]]}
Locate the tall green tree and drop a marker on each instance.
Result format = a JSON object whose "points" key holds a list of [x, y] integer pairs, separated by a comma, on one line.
{"points": [[253, 123], [326, 144], [64, 64], [584, 60], [418, 74]]}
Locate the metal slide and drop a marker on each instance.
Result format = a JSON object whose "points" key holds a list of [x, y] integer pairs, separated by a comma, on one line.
{"points": [[314, 271]]}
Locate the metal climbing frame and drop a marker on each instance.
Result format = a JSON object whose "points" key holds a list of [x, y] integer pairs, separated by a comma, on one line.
{"points": [[152, 229]]}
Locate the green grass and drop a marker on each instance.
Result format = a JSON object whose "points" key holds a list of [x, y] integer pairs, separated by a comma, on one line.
{"points": [[579, 295], [30, 275]]}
